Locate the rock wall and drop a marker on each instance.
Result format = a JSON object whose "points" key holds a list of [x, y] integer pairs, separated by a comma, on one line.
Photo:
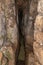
{"points": [[38, 35], [31, 29], [8, 32]]}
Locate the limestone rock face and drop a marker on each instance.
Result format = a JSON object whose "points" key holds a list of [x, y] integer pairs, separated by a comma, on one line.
{"points": [[33, 8], [39, 23], [12, 55], [38, 51], [1, 56], [7, 56], [38, 35], [32, 31], [8, 32], [40, 7], [2, 24], [4, 61], [31, 59], [29, 31], [11, 25], [38, 32]]}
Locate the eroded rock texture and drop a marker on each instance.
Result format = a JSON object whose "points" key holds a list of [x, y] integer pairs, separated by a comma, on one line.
{"points": [[28, 27], [38, 35], [29, 18], [8, 32]]}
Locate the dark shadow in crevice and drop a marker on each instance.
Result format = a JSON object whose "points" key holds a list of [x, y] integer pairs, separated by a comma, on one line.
{"points": [[20, 17], [20, 62]]}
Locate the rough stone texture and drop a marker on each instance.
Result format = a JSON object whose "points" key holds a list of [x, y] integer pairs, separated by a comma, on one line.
{"points": [[33, 8], [39, 23], [12, 60], [38, 50], [29, 32], [36, 62], [31, 60], [27, 27], [40, 7], [10, 33], [8, 30], [38, 29], [7, 56], [38, 35], [2, 24], [4, 61], [1, 55], [11, 25]]}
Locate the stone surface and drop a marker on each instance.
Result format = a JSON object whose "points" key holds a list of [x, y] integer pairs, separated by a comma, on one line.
{"points": [[37, 63], [2, 23], [33, 8], [39, 23], [38, 51], [1, 56], [8, 55], [28, 30], [40, 7], [38, 36], [4, 61], [31, 59], [12, 60]]}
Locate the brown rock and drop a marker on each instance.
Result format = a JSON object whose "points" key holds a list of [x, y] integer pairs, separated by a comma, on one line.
{"points": [[33, 8], [9, 56], [40, 7], [1, 55], [38, 51], [39, 23], [37, 63], [12, 55], [4, 61], [38, 36], [31, 59]]}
